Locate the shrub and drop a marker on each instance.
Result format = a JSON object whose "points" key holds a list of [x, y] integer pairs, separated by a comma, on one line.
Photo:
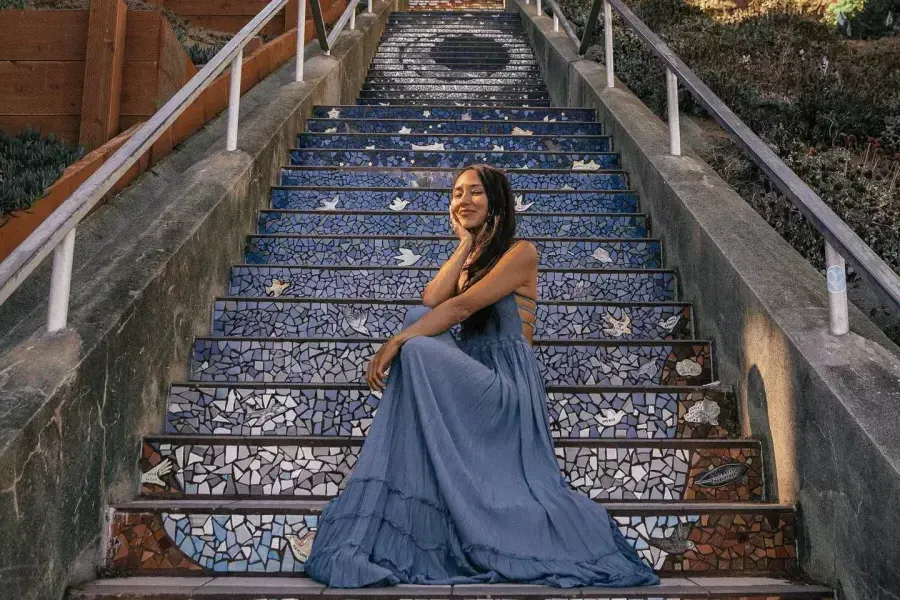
{"points": [[28, 165]]}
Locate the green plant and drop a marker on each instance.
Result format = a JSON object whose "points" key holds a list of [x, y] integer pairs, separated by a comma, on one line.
{"points": [[28, 165]]}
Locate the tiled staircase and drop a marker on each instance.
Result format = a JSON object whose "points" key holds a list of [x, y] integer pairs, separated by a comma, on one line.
{"points": [[274, 411]]}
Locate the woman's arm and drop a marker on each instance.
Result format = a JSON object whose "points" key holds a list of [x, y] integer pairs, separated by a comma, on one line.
{"points": [[514, 269], [443, 286]]}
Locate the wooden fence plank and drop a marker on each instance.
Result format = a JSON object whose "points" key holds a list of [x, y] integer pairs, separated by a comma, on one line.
{"points": [[189, 8], [142, 35], [47, 87], [43, 34], [103, 73], [139, 88], [233, 24], [64, 127]]}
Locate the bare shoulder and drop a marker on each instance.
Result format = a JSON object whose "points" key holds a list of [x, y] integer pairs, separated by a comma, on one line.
{"points": [[524, 250]]}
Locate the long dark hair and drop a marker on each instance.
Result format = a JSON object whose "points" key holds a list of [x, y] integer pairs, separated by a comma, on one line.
{"points": [[496, 235]]}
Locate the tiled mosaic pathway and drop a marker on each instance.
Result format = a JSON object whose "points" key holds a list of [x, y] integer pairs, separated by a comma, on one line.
{"points": [[273, 414]]}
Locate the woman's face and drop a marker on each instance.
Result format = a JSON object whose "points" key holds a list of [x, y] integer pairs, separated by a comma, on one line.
{"points": [[469, 201]]}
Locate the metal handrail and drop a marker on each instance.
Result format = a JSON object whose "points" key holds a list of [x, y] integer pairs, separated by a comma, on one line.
{"points": [[841, 242], [57, 233]]}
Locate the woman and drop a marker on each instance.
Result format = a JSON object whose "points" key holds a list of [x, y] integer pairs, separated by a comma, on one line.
{"points": [[457, 481]]}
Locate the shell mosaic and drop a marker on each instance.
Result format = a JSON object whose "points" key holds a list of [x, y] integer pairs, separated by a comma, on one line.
{"points": [[243, 467], [729, 541], [422, 126], [603, 363], [439, 200], [398, 218], [284, 318], [432, 252], [452, 159], [512, 143], [390, 283], [384, 177], [299, 411]]}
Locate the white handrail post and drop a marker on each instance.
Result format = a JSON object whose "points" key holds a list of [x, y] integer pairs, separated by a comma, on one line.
{"points": [[608, 43], [674, 117], [234, 100], [61, 283], [370, 7], [836, 276], [555, 23], [301, 38], [540, 9], [352, 10]]}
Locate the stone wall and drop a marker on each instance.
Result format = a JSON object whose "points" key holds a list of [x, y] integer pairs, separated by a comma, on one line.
{"points": [[73, 407], [826, 408]]}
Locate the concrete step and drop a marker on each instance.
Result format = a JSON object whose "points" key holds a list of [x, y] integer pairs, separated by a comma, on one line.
{"points": [[502, 49], [461, 72], [347, 409], [428, 251], [344, 360], [455, 113], [465, 63], [315, 281], [454, 159], [438, 199], [454, 142], [295, 317], [425, 101], [400, 218], [297, 588], [430, 127], [318, 467], [267, 536], [442, 177]]}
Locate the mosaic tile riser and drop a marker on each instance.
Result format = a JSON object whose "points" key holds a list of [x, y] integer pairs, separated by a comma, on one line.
{"points": [[332, 223], [384, 178], [333, 412], [455, 142], [274, 543], [628, 363], [605, 474], [439, 200], [251, 318], [424, 252], [258, 280], [420, 126], [451, 113], [452, 159]]}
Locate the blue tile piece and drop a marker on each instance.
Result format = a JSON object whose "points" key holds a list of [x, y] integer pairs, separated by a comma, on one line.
{"points": [[526, 143], [454, 159], [325, 199], [280, 361], [386, 283], [406, 223], [424, 126], [423, 252], [443, 178], [451, 113], [287, 318]]}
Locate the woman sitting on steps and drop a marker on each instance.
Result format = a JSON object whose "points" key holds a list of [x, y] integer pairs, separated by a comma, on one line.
{"points": [[457, 481]]}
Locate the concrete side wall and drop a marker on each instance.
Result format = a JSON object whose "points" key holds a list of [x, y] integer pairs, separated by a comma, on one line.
{"points": [[73, 407], [826, 408]]}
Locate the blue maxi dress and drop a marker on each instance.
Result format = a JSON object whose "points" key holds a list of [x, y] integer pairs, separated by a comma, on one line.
{"points": [[457, 481]]}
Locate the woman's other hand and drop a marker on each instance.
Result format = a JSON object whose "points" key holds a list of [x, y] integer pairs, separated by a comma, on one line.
{"points": [[378, 366]]}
